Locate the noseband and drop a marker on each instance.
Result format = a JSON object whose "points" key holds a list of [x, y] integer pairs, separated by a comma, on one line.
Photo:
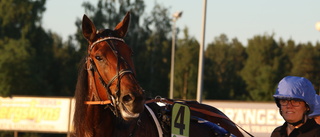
{"points": [[113, 101]]}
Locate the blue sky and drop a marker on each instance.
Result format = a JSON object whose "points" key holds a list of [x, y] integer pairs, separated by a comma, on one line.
{"points": [[241, 19]]}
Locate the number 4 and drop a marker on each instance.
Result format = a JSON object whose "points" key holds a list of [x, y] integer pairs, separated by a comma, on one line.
{"points": [[180, 122], [180, 116]]}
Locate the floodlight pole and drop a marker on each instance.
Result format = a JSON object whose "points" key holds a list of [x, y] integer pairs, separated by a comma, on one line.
{"points": [[176, 16], [201, 51]]}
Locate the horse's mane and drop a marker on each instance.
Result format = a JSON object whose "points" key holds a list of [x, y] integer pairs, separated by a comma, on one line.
{"points": [[81, 94]]}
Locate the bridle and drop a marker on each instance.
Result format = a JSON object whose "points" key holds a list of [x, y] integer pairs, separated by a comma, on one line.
{"points": [[113, 101]]}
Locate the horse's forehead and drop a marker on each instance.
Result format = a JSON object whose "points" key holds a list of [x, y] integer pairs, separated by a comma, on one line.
{"points": [[104, 48], [112, 47], [106, 33]]}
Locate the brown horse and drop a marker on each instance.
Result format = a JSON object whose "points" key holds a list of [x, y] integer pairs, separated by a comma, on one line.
{"points": [[111, 103]]}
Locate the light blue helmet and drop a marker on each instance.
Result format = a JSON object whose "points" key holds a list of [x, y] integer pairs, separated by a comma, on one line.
{"points": [[316, 111], [292, 87]]}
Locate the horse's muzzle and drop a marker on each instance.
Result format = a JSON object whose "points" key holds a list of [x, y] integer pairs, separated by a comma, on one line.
{"points": [[132, 104]]}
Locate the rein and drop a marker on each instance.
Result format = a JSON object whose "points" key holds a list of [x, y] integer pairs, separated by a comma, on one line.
{"points": [[113, 101]]}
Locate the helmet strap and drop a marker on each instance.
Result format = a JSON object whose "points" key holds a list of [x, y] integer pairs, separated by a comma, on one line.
{"points": [[300, 121]]}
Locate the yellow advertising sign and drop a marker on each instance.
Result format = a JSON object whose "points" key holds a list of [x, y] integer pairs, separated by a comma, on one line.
{"points": [[35, 114]]}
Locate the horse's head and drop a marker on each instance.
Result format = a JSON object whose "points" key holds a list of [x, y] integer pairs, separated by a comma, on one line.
{"points": [[111, 74]]}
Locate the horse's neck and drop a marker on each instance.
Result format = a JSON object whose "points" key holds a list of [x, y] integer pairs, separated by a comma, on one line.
{"points": [[105, 124], [100, 122]]}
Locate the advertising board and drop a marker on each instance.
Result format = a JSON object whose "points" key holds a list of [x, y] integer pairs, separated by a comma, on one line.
{"points": [[35, 114], [258, 118]]}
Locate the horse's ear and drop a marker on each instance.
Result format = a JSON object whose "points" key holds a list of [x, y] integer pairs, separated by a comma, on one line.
{"points": [[88, 28], [122, 26]]}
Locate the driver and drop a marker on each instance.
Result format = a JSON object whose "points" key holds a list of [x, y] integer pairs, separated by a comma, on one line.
{"points": [[295, 97]]}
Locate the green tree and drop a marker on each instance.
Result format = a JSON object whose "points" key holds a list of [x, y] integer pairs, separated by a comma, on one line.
{"points": [[316, 79], [263, 68], [33, 60], [153, 61], [65, 64], [289, 50], [22, 41], [28, 64], [186, 67], [306, 63], [224, 61]]}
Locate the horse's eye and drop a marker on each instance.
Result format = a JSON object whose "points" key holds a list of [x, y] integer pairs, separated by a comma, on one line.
{"points": [[98, 58]]}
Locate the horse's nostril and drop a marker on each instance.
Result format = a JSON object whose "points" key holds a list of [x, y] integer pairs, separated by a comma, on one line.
{"points": [[139, 99], [127, 98]]}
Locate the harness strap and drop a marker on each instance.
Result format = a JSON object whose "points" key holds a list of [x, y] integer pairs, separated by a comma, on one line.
{"points": [[156, 121], [122, 72]]}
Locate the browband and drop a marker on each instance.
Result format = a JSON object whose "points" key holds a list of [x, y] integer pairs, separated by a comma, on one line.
{"points": [[104, 39]]}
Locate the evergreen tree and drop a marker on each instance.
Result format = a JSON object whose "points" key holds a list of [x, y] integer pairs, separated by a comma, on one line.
{"points": [[289, 50], [27, 62], [65, 64], [306, 63], [154, 60], [239, 56], [24, 46], [224, 61], [316, 79], [263, 68], [186, 67], [34, 61]]}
